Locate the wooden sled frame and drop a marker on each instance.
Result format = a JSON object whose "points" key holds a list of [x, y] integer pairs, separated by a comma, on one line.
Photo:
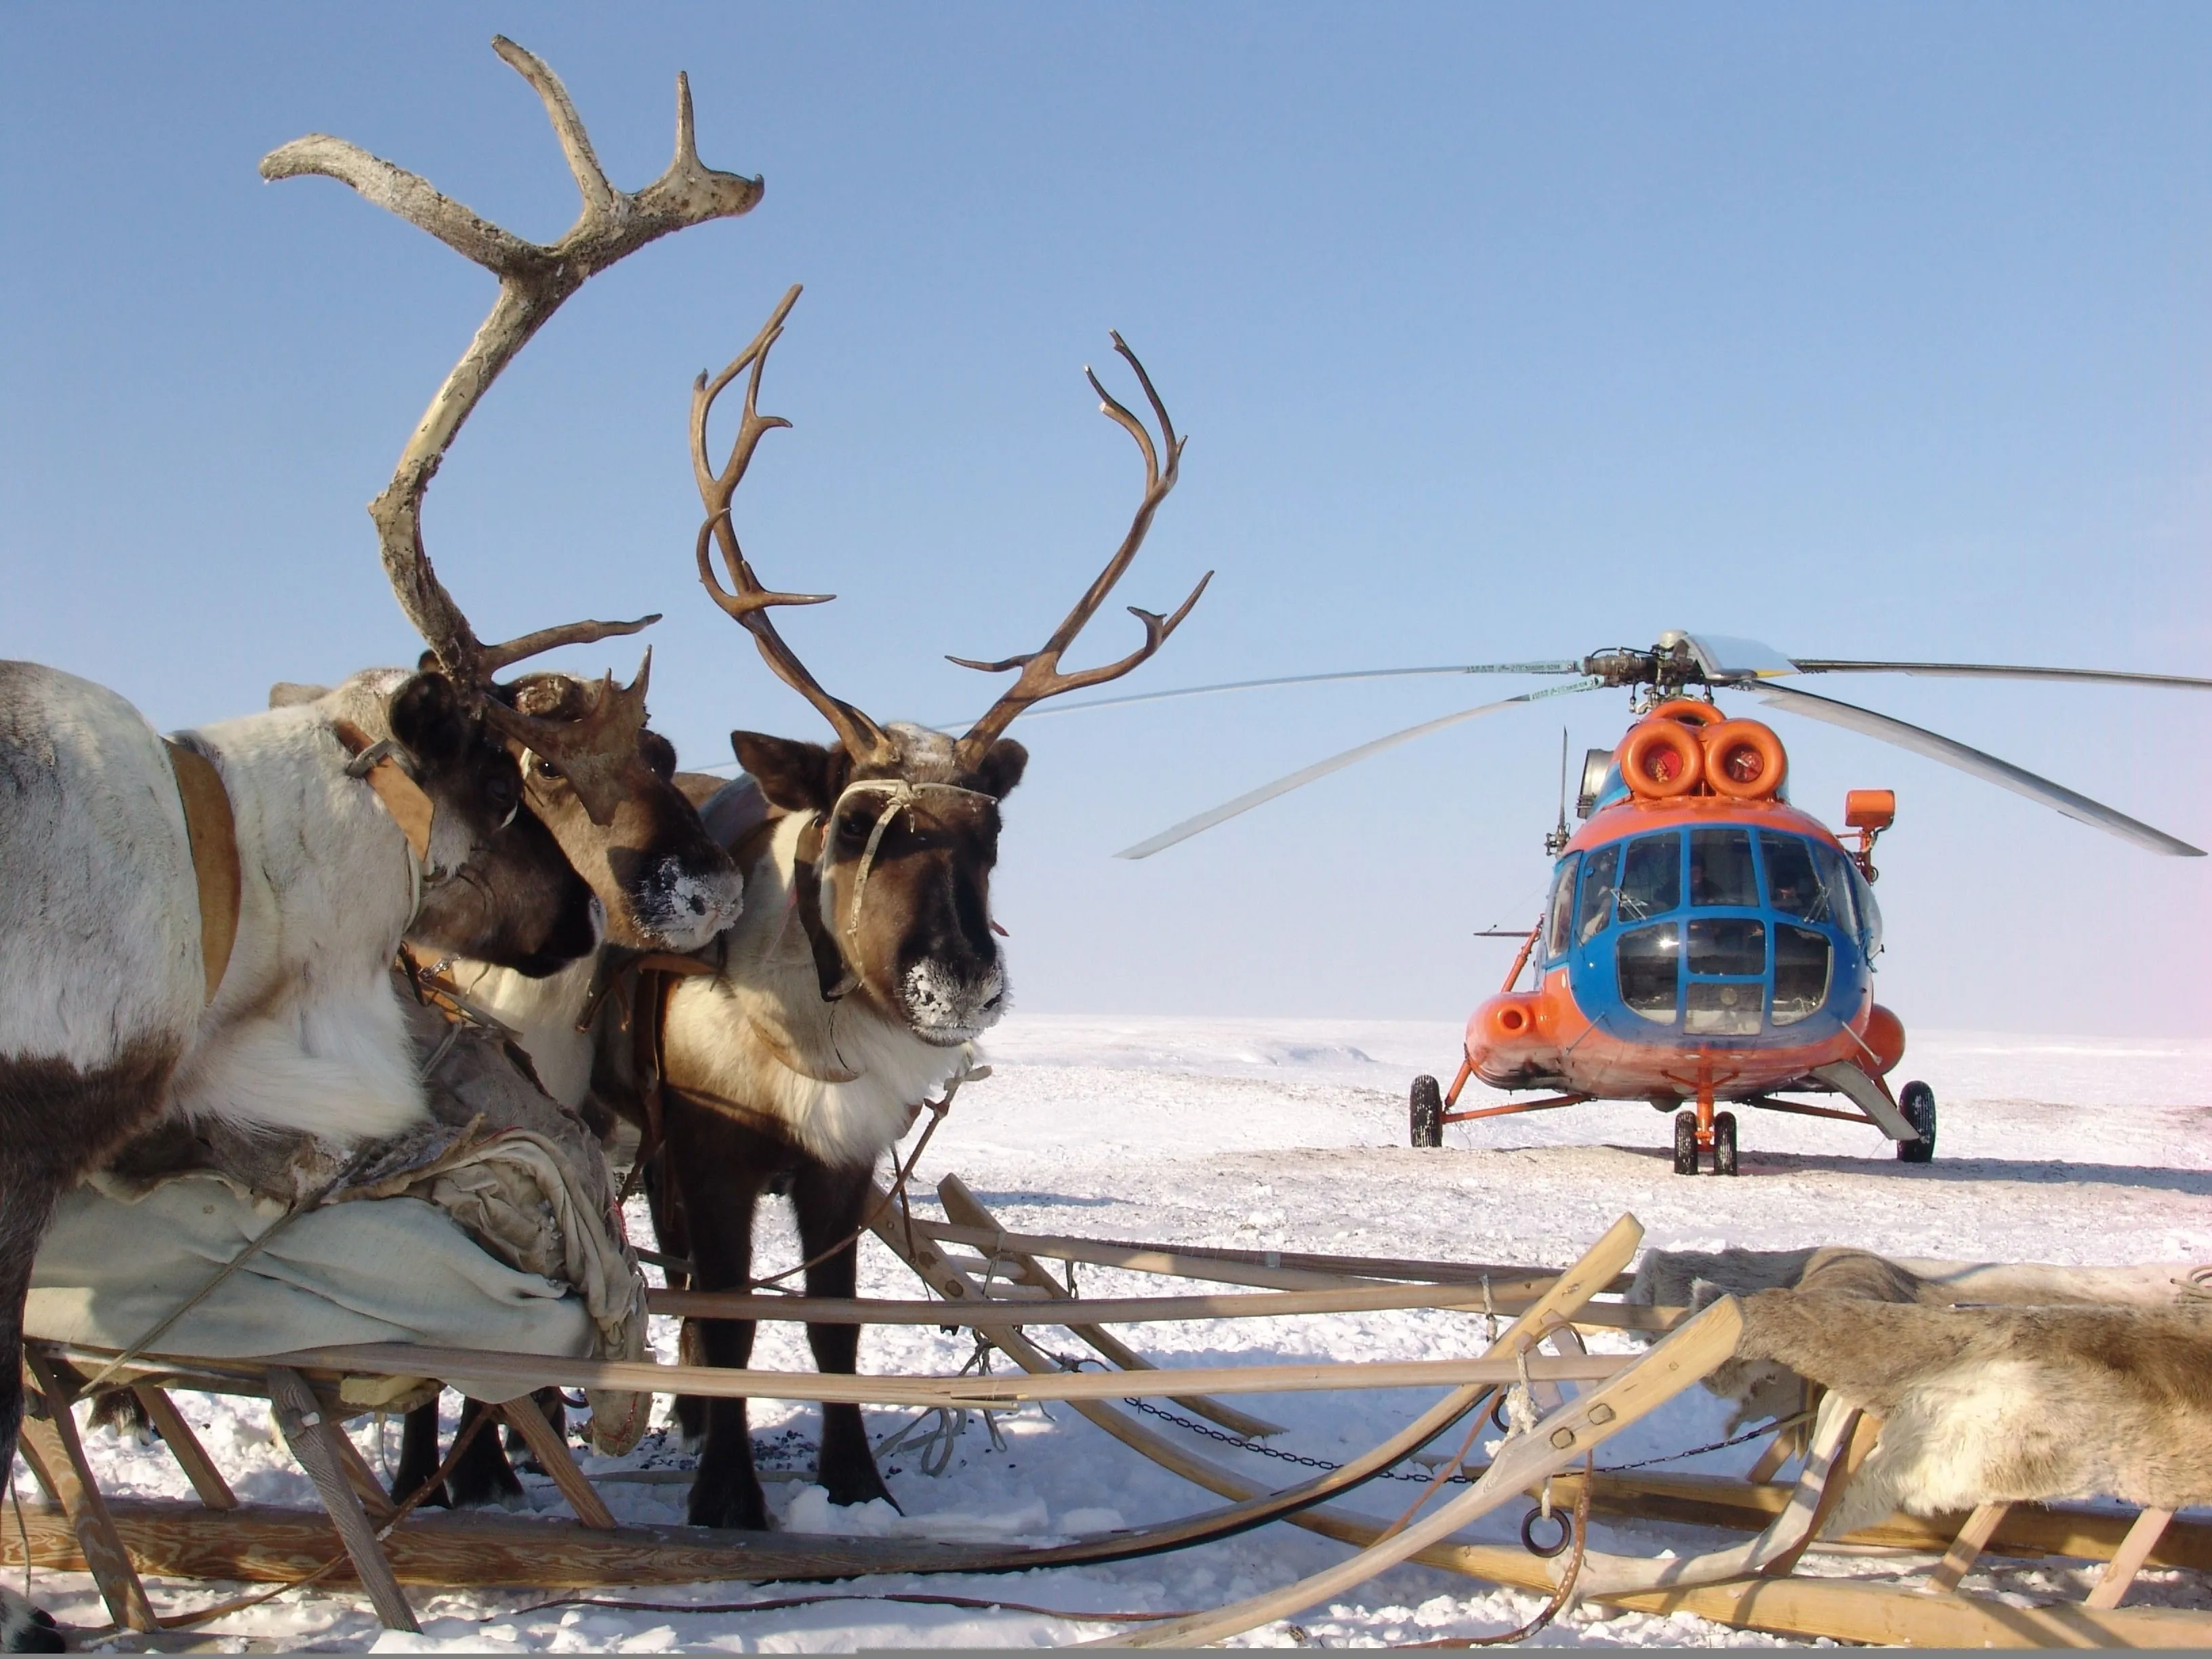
{"points": [[77, 1530]]}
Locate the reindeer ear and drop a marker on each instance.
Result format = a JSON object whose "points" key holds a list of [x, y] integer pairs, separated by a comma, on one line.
{"points": [[289, 694], [1002, 768], [658, 753], [426, 715], [798, 777]]}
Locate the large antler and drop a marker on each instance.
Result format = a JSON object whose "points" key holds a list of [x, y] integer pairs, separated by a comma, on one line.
{"points": [[1039, 670], [745, 599], [533, 281]]}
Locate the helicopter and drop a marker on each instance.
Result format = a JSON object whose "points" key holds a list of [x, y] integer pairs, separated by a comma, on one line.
{"points": [[1704, 942]]}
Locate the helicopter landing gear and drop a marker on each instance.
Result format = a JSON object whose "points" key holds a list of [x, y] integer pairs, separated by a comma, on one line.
{"points": [[1428, 1113], [1724, 1144], [1685, 1143], [1916, 1101]]}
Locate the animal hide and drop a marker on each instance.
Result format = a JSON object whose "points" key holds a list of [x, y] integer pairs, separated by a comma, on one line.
{"points": [[2065, 1393], [1984, 1405], [515, 1170]]}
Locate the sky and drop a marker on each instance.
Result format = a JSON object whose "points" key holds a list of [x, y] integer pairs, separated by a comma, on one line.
{"points": [[1499, 332]]}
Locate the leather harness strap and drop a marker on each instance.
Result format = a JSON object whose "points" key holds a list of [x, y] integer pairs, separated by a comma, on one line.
{"points": [[212, 834], [403, 798]]}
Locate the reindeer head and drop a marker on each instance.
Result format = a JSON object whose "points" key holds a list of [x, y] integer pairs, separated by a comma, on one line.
{"points": [[666, 884], [588, 761], [894, 870], [495, 884]]}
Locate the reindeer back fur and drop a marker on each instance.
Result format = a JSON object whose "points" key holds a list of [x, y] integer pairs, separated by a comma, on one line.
{"points": [[838, 1079], [99, 912]]}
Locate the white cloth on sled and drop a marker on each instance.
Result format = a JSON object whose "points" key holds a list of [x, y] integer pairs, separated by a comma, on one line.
{"points": [[390, 1270]]}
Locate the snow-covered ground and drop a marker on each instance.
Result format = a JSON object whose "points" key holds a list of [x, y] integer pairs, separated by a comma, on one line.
{"points": [[1292, 1135]]}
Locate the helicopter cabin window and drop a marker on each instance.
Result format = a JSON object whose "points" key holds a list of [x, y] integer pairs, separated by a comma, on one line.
{"points": [[1720, 868], [1733, 945], [1718, 1008], [1596, 908], [1802, 963], [1562, 904], [1651, 877], [1793, 886], [1647, 960]]}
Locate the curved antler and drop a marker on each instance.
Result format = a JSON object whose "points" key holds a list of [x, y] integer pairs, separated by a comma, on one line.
{"points": [[533, 281], [745, 600], [1039, 670]]}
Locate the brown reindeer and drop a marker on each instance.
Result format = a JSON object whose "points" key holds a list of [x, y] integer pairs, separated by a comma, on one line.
{"points": [[588, 761], [864, 961]]}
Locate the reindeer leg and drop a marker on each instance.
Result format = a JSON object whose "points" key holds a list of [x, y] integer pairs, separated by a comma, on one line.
{"points": [[666, 1205], [830, 1203], [718, 1167], [483, 1477], [25, 1205], [418, 1455]]}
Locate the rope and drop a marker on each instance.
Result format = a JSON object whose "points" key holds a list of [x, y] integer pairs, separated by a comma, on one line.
{"points": [[779, 1603], [938, 1109]]}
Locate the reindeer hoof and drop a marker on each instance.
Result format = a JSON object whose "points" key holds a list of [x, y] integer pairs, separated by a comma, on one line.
{"points": [[717, 1503], [26, 1629]]}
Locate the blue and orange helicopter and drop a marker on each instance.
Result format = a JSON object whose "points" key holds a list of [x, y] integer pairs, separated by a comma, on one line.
{"points": [[1705, 942]]}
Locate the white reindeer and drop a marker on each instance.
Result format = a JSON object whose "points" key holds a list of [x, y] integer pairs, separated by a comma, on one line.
{"points": [[124, 993]]}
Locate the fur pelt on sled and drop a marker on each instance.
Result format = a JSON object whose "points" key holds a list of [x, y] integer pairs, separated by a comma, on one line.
{"points": [[515, 1170], [2064, 1396]]}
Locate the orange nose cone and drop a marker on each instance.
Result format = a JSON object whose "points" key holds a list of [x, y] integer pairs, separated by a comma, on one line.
{"points": [[1885, 1035]]}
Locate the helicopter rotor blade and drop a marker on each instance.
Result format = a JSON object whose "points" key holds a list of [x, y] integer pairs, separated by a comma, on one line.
{"points": [[1972, 761], [2001, 671], [1043, 710], [1283, 786]]}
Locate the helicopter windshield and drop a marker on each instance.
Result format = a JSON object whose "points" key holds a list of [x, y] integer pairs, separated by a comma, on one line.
{"points": [[1596, 906], [1721, 870], [1651, 876], [1793, 885], [1646, 965]]}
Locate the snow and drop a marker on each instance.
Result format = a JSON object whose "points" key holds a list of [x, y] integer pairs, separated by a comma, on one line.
{"points": [[1292, 1134]]}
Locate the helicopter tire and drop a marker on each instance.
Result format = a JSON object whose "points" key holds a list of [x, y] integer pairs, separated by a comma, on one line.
{"points": [[1725, 1143], [1685, 1143], [1428, 1113], [1917, 1103]]}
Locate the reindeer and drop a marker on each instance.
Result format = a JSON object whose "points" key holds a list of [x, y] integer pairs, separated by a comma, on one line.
{"points": [[809, 1053], [202, 926], [864, 961]]}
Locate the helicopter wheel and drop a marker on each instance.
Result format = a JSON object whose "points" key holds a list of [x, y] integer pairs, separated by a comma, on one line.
{"points": [[1428, 1113], [1917, 1103], [1725, 1143], [1685, 1143]]}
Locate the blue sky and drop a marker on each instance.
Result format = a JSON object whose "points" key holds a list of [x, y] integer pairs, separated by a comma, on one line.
{"points": [[1877, 331]]}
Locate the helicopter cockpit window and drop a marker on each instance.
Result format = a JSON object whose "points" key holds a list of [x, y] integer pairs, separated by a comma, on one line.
{"points": [[1651, 877], [1836, 878], [1647, 962], [1561, 907], [1793, 885], [1596, 906], [1802, 962], [1869, 912], [1721, 870]]}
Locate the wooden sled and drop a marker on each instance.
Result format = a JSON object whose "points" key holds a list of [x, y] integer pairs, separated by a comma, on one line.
{"points": [[995, 1281], [360, 1538]]}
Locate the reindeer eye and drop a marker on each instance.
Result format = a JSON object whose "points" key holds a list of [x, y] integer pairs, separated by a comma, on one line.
{"points": [[544, 768]]}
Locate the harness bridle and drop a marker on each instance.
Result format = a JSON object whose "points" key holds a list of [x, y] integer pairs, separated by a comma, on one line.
{"points": [[835, 974]]}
